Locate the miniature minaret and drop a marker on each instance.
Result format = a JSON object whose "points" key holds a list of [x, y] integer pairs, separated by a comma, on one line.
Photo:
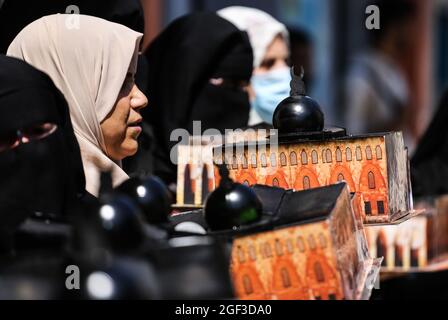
{"points": [[298, 113]]}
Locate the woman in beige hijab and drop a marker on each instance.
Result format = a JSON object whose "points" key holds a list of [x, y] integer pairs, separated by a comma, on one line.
{"points": [[93, 62]]}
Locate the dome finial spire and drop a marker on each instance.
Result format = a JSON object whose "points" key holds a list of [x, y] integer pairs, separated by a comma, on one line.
{"points": [[297, 84]]}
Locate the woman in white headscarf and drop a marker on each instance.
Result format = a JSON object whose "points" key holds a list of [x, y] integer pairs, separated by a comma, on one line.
{"points": [[92, 62], [271, 78]]}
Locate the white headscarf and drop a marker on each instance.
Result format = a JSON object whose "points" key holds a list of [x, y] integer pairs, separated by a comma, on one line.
{"points": [[88, 62], [261, 27]]}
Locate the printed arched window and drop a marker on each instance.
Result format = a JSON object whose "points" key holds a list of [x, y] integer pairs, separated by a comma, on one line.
{"points": [[338, 155], [323, 241], [245, 164], [275, 183], [252, 253], [306, 183], [358, 154], [253, 161], [320, 277], [301, 244], [380, 206], [369, 155], [293, 158], [368, 208], [348, 154], [350, 282], [285, 278], [283, 160], [314, 157], [304, 157], [234, 162], [329, 156], [372, 184], [312, 242], [324, 156], [264, 161], [246, 183], [278, 248], [341, 177], [289, 246], [241, 256], [247, 284], [273, 160], [267, 250], [379, 153]]}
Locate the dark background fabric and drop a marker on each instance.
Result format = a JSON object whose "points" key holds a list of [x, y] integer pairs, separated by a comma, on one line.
{"points": [[17, 14], [181, 61]]}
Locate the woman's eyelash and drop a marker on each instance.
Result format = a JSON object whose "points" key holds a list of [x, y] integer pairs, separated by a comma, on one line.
{"points": [[268, 63]]}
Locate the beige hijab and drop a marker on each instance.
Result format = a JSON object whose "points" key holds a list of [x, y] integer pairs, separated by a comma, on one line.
{"points": [[88, 59]]}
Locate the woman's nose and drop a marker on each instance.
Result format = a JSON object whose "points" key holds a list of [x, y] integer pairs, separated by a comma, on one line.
{"points": [[138, 99]]}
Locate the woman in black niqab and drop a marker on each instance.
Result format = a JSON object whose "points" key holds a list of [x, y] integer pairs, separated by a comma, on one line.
{"points": [[198, 67], [41, 171]]}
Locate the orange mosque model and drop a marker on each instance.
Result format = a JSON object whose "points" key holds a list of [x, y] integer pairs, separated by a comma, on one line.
{"points": [[374, 166], [417, 245], [289, 245], [318, 251], [334, 188]]}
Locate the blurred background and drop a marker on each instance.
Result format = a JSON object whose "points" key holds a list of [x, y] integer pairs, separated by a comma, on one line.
{"points": [[331, 39], [365, 80]]}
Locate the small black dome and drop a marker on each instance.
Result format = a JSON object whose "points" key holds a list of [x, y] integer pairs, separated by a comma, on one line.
{"points": [[152, 196], [114, 224], [231, 205], [298, 113]]}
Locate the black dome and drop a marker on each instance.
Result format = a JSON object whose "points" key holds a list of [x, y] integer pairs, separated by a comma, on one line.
{"points": [[152, 196], [114, 224], [231, 205], [298, 113]]}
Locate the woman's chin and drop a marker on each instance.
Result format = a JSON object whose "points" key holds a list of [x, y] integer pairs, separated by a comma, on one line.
{"points": [[131, 148]]}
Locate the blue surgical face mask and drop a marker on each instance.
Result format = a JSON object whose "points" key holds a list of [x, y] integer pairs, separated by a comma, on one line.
{"points": [[270, 89]]}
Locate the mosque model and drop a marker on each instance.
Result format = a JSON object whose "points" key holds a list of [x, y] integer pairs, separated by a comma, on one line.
{"points": [[319, 254], [375, 166], [195, 169], [419, 244]]}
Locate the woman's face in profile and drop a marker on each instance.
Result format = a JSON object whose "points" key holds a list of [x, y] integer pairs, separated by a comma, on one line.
{"points": [[121, 128]]}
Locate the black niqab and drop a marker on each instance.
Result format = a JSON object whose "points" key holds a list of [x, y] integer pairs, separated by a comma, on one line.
{"points": [[182, 60], [44, 176]]}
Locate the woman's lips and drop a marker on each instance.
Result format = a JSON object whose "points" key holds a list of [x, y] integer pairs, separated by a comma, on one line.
{"points": [[135, 123], [136, 128]]}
